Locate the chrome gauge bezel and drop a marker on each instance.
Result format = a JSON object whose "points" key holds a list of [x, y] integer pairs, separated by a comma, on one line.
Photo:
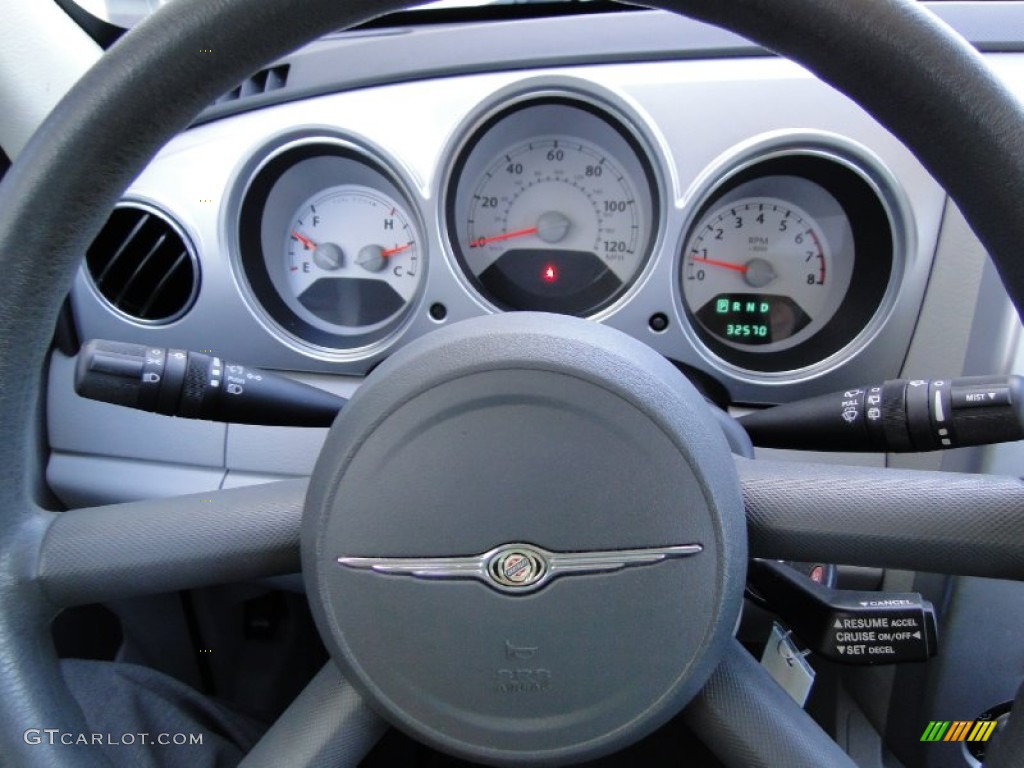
{"points": [[251, 190], [606, 109], [807, 359]]}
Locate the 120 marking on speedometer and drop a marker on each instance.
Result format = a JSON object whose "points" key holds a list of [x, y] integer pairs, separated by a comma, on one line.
{"points": [[556, 194]]}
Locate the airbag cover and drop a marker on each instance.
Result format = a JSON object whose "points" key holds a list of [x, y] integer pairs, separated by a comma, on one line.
{"points": [[541, 539]]}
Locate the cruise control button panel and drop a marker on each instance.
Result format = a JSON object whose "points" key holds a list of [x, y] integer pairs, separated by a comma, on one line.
{"points": [[887, 631], [848, 626]]}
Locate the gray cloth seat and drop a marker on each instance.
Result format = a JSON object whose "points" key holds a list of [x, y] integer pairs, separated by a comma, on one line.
{"points": [[123, 701]]}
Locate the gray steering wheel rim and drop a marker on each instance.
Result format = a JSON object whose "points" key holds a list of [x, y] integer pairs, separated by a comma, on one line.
{"points": [[964, 126]]}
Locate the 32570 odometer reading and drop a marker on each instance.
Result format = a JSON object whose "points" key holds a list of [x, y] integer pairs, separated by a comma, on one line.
{"points": [[752, 318]]}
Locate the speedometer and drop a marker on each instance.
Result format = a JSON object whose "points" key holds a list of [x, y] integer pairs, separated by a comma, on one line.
{"points": [[557, 221]]}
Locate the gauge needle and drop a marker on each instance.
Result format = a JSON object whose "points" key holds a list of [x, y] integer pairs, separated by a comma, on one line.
{"points": [[724, 264], [480, 242], [395, 250], [308, 244]]}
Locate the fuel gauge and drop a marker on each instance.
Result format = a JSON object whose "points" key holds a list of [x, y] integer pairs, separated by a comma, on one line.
{"points": [[352, 259], [330, 248]]}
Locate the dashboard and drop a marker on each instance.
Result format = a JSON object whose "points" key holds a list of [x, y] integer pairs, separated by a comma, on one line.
{"points": [[720, 204], [639, 170]]}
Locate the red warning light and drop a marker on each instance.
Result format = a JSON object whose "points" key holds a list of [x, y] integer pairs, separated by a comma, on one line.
{"points": [[549, 274]]}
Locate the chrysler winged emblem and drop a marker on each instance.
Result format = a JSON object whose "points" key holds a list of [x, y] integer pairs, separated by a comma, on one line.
{"points": [[518, 568]]}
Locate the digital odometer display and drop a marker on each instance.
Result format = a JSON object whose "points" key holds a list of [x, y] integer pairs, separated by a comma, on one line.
{"points": [[751, 318]]}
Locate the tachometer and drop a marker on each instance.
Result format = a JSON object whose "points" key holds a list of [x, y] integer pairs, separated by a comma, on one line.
{"points": [[759, 271], [552, 208], [788, 262]]}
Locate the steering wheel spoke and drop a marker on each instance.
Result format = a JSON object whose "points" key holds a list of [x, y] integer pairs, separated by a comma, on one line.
{"points": [[939, 522], [162, 545], [748, 721], [329, 723]]}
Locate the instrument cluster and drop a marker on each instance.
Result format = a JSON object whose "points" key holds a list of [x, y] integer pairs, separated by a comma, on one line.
{"points": [[555, 201], [776, 252]]}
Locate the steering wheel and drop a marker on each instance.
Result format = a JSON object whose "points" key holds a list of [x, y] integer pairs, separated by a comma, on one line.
{"points": [[961, 123]]}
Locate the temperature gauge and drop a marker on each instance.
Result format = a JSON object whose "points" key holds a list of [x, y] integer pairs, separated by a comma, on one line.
{"points": [[351, 259], [330, 248]]}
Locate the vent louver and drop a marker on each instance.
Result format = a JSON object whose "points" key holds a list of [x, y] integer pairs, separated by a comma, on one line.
{"points": [[143, 265], [264, 81]]}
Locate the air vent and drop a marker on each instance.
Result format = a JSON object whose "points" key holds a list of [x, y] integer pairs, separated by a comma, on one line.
{"points": [[264, 81], [143, 265]]}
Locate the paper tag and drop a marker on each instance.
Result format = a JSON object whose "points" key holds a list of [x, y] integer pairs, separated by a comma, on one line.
{"points": [[786, 663]]}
